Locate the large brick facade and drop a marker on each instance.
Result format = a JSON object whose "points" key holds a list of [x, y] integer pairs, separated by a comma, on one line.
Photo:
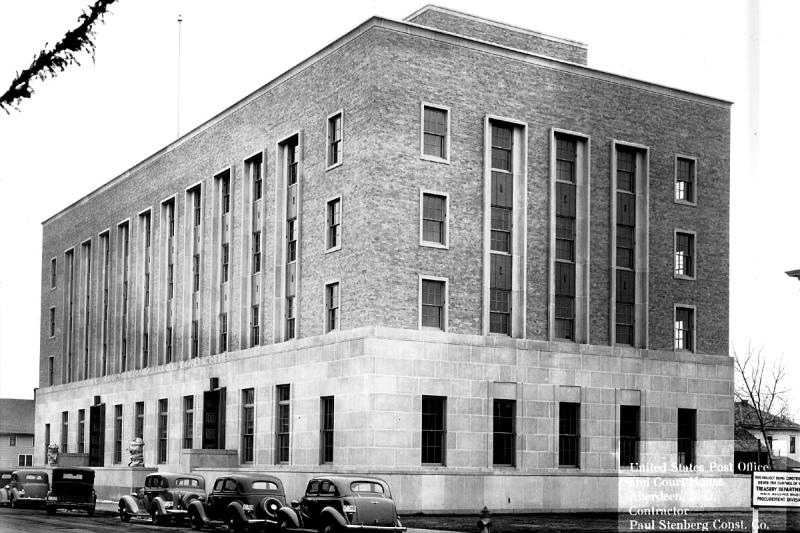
{"points": [[379, 363]]}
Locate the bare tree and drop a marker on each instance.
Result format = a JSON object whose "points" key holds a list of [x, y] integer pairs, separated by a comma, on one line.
{"points": [[761, 385], [47, 63]]}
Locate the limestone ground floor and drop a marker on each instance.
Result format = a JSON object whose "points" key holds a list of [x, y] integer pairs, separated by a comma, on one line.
{"points": [[453, 422]]}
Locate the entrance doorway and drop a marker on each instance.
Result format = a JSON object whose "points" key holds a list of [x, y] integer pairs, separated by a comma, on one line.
{"points": [[97, 434], [214, 419]]}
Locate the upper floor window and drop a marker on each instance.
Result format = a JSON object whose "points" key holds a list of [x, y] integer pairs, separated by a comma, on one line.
{"points": [[225, 261], [335, 140], [256, 252], [53, 275], [435, 133], [223, 332], [433, 224], [684, 254], [254, 167], [684, 328], [331, 306], [225, 186], [685, 180], [433, 303], [333, 233]]}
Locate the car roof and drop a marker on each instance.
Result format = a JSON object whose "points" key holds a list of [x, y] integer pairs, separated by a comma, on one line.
{"points": [[82, 469], [254, 476], [172, 476], [30, 471], [343, 482]]}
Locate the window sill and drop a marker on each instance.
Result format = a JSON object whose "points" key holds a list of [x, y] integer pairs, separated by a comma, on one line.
{"points": [[434, 159], [335, 165], [686, 203], [684, 277], [334, 249], [433, 244], [682, 350]]}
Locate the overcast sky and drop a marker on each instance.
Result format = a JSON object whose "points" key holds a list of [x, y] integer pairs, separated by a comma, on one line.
{"points": [[95, 121]]}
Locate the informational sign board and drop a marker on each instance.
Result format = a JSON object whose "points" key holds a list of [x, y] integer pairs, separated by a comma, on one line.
{"points": [[776, 489]]}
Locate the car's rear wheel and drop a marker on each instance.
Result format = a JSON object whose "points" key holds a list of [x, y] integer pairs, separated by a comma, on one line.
{"points": [[235, 524], [160, 518], [329, 527], [195, 521], [124, 515]]}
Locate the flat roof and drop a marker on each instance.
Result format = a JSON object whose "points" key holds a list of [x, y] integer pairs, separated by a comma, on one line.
{"points": [[419, 31]]}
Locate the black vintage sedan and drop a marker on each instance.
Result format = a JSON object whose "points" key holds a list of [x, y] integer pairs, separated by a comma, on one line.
{"points": [[243, 502], [71, 488], [336, 504], [25, 487]]}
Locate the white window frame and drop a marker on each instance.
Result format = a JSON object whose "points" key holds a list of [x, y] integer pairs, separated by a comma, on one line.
{"points": [[328, 247], [328, 166], [434, 244], [693, 277], [338, 327], [445, 303], [694, 326], [422, 153], [694, 179]]}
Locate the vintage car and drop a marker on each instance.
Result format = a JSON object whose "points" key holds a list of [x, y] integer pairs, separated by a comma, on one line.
{"points": [[164, 497], [335, 504], [24, 487], [71, 488], [242, 502], [5, 480]]}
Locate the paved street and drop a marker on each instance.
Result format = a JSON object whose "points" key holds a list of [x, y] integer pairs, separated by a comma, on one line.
{"points": [[36, 521]]}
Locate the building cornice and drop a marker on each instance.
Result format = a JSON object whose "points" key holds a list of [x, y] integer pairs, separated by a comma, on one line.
{"points": [[410, 29]]}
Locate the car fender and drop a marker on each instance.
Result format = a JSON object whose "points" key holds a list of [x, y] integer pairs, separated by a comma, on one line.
{"points": [[13, 494], [159, 503], [329, 513], [3, 495], [131, 505], [187, 499], [235, 507], [290, 515], [197, 507]]}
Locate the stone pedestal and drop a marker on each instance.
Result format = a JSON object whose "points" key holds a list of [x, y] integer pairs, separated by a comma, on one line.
{"points": [[111, 483]]}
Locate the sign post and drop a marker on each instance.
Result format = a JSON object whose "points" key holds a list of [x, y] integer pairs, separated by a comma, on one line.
{"points": [[774, 489]]}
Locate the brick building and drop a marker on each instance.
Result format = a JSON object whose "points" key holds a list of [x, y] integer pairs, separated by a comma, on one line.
{"points": [[443, 250]]}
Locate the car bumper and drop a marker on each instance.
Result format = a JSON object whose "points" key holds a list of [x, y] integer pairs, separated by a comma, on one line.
{"points": [[24, 500], [70, 505], [374, 529]]}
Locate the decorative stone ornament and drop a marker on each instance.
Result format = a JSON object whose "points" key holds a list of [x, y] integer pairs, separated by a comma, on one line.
{"points": [[137, 453], [52, 454]]}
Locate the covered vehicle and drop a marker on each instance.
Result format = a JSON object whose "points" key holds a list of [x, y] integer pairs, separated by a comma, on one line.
{"points": [[335, 504], [24, 487], [164, 497], [243, 502], [72, 488], [5, 480]]}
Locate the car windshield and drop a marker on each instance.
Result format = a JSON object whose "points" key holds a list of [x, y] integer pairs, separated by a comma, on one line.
{"points": [[366, 486], [34, 477], [264, 485], [187, 482]]}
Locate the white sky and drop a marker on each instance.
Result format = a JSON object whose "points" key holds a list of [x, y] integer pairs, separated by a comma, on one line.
{"points": [[95, 121]]}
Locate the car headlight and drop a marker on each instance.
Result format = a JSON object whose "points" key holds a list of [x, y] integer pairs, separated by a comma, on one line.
{"points": [[247, 508], [349, 508]]}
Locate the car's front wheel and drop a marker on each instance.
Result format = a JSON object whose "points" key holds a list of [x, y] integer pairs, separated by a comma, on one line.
{"points": [[124, 515], [235, 524], [195, 521], [329, 527]]}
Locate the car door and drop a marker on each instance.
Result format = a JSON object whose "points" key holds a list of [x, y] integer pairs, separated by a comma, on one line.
{"points": [[308, 504], [230, 492], [214, 499]]}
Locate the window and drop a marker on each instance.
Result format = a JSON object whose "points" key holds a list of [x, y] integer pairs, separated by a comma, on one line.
{"points": [[170, 281], [326, 430], [223, 332], [684, 254], [64, 431], [225, 190], [685, 180], [628, 435], [81, 430], [291, 240], [53, 273], [502, 165], [503, 424], [254, 167], [195, 339], [334, 225], [687, 431], [51, 363], [256, 252], [565, 211], [46, 441], [335, 140], [435, 134], [434, 429], [24, 459], [196, 205], [569, 435], [106, 251], [196, 272], [290, 303], [331, 306], [791, 445], [162, 430], [282, 424], [168, 345], [188, 422], [433, 299], [138, 421], [145, 348], [626, 228], [248, 424], [52, 327], [12, 440], [225, 260], [684, 328], [255, 338], [117, 434], [433, 229], [169, 206]]}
